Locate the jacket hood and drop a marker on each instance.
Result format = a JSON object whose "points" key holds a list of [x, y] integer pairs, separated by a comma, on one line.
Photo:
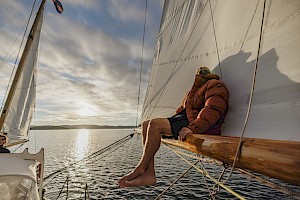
{"points": [[201, 79]]}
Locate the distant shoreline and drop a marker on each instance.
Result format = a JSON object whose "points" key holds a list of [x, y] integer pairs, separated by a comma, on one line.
{"points": [[78, 127]]}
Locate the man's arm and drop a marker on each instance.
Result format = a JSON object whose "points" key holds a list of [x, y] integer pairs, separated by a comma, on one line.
{"points": [[215, 107], [182, 106]]}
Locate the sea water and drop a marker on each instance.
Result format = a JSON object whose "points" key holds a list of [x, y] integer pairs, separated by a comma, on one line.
{"points": [[96, 178]]}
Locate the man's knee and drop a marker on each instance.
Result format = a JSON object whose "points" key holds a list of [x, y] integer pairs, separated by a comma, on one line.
{"points": [[158, 124]]}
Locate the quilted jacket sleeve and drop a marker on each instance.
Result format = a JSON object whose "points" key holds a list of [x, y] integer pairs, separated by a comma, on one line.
{"points": [[182, 106], [216, 104]]}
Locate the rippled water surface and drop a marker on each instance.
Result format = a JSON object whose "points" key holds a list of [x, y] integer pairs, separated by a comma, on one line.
{"points": [[100, 174]]}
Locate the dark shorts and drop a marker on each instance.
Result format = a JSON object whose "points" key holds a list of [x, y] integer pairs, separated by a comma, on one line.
{"points": [[177, 122]]}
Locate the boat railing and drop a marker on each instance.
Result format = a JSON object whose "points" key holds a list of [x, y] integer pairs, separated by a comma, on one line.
{"points": [[65, 190]]}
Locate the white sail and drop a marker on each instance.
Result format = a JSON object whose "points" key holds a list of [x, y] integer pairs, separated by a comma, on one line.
{"points": [[224, 35], [21, 174], [20, 111]]}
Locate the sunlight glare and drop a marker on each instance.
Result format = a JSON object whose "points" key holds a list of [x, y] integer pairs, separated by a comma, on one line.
{"points": [[86, 111], [82, 143]]}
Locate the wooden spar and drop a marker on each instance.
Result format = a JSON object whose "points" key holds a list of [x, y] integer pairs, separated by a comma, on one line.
{"points": [[273, 158], [21, 65], [16, 143]]}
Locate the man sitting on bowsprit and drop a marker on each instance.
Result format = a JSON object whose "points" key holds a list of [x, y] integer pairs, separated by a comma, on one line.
{"points": [[202, 112]]}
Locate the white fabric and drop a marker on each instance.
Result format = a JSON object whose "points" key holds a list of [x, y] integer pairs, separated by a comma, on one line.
{"points": [[14, 166], [20, 112], [18, 178], [13, 188], [187, 40]]}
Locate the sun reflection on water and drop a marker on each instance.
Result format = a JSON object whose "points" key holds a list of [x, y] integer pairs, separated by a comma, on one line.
{"points": [[82, 143]]}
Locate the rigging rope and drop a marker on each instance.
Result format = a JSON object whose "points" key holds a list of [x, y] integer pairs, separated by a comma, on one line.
{"points": [[271, 184], [141, 69], [211, 193], [116, 148], [213, 23], [250, 175], [184, 173], [97, 153], [60, 192], [250, 98], [207, 175], [11, 75], [7, 56]]}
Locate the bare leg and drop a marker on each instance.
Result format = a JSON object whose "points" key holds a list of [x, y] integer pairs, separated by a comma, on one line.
{"points": [[144, 173], [134, 173]]}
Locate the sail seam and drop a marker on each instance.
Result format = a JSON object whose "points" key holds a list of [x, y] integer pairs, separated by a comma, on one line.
{"points": [[172, 72]]}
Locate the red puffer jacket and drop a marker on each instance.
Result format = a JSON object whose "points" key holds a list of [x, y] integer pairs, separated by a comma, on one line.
{"points": [[206, 104]]}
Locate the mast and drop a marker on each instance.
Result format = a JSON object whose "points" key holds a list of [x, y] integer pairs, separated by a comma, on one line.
{"points": [[21, 64]]}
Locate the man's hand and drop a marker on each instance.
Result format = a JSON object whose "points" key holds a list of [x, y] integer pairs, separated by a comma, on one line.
{"points": [[183, 133]]}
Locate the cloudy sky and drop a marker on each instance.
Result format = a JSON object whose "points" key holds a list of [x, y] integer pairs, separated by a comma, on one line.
{"points": [[89, 61]]}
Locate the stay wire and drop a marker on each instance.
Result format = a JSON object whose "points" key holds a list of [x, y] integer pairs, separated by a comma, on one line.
{"points": [[248, 174], [11, 75], [211, 178], [116, 148], [142, 57], [126, 138], [211, 194], [184, 173], [120, 145], [7, 56], [216, 42], [60, 192], [61, 170]]}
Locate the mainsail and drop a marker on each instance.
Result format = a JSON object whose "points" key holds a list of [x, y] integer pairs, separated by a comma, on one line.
{"points": [[18, 109], [225, 36]]}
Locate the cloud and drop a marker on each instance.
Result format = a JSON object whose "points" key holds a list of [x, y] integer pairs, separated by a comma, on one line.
{"points": [[127, 11], [83, 62]]}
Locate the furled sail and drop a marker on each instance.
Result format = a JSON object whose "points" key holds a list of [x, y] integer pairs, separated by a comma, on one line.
{"points": [[18, 109], [224, 35]]}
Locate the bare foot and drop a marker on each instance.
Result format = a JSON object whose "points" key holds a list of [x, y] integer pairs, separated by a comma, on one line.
{"points": [[142, 180], [132, 175]]}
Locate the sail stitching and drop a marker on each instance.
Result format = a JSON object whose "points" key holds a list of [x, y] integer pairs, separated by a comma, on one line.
{"points": [[163, 27], [172, 72]]}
